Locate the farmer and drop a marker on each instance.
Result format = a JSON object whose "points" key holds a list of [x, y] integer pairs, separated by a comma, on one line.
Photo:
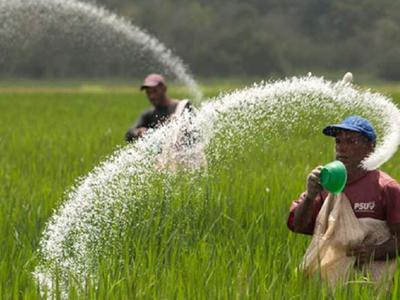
{"points": [[372, 194], [161, 112]]}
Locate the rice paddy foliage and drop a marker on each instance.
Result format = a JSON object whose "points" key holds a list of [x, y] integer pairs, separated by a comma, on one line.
{"points": [[219, 233]]}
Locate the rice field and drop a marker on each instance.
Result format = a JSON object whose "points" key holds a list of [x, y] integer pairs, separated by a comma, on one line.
{"points": [[221, 235]]}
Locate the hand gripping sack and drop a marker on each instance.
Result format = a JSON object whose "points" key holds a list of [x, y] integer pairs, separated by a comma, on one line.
{"points": [[336, 230]]}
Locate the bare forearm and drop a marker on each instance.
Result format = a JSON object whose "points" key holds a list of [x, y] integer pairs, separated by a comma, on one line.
{"points": [[387, 250], [303, 215]]}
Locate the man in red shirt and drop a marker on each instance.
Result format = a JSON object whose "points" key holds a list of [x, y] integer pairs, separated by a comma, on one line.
{"points": [[372, 194]]}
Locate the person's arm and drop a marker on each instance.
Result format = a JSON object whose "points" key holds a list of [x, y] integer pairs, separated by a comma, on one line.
{"points": [[390, 249], [385, 251], [303, 215], [304, 211], [138, 129]]}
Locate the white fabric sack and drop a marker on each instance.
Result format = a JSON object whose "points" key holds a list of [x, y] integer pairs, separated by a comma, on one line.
{"points": [[336, 230]]}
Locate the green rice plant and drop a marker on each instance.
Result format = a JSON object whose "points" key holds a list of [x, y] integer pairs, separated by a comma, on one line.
{"points": [[216, 234]]}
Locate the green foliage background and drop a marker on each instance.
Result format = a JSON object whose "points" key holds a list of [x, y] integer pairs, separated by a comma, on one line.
{"points": [[244, 38]]}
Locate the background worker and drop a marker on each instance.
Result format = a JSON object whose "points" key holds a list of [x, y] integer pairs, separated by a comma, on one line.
{"points": [[162, 110], [372, 194]]}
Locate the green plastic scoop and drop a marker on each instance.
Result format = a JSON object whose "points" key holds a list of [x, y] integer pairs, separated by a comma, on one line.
{"points": [[334, 177]]}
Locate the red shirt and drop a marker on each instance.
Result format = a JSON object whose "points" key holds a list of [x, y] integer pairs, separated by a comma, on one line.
{"points": [[373, 195]]}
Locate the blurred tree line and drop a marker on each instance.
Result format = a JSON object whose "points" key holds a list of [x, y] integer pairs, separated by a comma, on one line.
{"points": [[272, 37]]}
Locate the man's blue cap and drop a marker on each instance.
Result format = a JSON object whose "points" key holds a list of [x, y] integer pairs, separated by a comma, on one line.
{"points": [[353, 123]]}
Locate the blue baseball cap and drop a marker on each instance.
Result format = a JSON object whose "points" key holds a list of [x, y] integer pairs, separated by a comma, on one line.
{"points": [[353, 123]]}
